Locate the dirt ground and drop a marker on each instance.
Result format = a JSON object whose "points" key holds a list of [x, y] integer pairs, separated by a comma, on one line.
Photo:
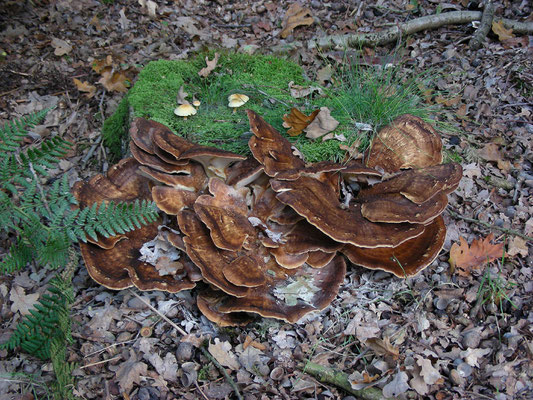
{"points": [[443, 334]]}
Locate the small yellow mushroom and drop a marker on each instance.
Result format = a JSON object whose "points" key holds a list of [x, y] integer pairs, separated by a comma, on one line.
{"points": [[236, 100], [185, 110]]}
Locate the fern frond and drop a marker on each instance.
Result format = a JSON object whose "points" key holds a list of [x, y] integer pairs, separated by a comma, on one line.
{"points": [[36, 330], [110, 219], [12, 133]]}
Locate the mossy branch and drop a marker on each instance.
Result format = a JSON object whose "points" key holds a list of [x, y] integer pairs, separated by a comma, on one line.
{"points": [[394, 33], [340, 379]]}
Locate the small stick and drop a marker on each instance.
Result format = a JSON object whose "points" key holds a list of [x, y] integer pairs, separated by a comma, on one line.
{"points": [[223, 370], [100, 362], [200, 390], [176, 327], [486, 225], [339, 379], [484, 27]]}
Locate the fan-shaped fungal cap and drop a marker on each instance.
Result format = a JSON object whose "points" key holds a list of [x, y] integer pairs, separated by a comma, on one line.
{"points": [[154, 161], [202, 251], [272, 150], [319, 204], [225, 214], [213, 159], [190, 176], [408, 258], [290, 297], [243, 172], [407, 142], [209, 300], [171, 200], [418, 185], [118, 266]]}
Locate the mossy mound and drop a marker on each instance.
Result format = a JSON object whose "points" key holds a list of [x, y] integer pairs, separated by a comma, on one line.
{"points": [[264, 79]]}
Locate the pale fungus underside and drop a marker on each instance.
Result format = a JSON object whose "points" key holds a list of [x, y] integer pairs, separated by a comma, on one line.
{"points": [[268, 235]]}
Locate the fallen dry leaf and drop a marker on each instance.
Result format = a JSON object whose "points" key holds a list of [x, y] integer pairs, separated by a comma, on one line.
{"points": [[85, 87], [130, 372], [322, 124], [501, 31], [324, 74], [298, 91], [517, 245], [471, 356], [114, 80], [61, 47], [182, 94], [428, 372], [491, 152], [397, 386], [99, 65], [297, 121], [223, 354], [22, 302], [464, 258], [151, 7], [211, 65], [383, 347], [296, 16]]}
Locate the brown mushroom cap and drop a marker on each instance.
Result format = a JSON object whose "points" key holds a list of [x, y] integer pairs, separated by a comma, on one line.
{"points": [[141, 132], [408, 258], [271, 149], [319, 204], [418, 185], [301, 291], [407, 142]]}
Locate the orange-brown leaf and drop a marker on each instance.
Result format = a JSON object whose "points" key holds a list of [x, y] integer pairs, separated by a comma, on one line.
{"points": [[466, 258], [296, 16], [99, 65], [297, 121], [86, 87], [499, 29]]}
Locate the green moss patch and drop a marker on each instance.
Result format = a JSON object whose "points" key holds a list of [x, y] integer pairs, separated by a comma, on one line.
{"points": [[264, 79]]}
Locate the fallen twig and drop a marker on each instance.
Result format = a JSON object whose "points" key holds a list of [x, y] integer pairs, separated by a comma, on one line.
{"points": [[416, 25], [487, 225], [223, 370], [176, 327], [484, 27], [340, 379]]}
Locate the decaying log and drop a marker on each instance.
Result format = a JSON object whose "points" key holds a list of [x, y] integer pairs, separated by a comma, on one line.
{"points": [[416, 25]]}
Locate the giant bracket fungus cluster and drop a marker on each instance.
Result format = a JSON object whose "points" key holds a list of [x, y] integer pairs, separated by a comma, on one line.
{"points": [[269, 234]]}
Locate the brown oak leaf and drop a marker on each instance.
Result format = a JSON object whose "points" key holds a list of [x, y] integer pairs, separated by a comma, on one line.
{"points": [[297, 121], [211, 65], [501, 31], [85, 87], [296, 16], [464, 258]]}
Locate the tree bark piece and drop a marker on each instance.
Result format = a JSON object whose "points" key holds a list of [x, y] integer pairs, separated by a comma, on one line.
{"points": [[416, 25], [484, 27], [340, 379]]}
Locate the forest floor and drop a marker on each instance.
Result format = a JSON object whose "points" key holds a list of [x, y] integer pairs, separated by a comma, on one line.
{"points": [[463, 334]]}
